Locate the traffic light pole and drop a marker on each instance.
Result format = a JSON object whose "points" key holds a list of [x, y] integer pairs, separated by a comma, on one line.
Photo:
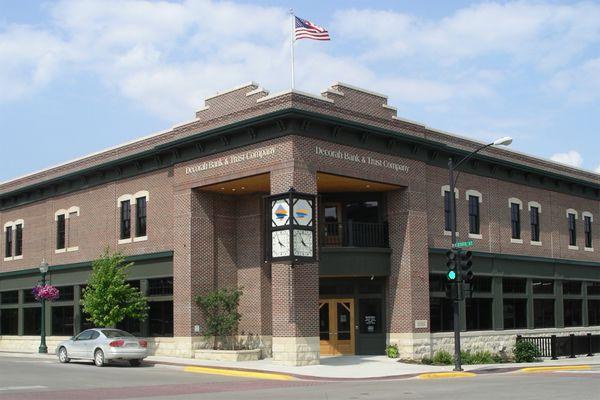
{"points": [[455, 301]]}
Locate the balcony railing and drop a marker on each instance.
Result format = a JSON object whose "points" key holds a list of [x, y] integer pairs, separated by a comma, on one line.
{"points": [[354, 234]]}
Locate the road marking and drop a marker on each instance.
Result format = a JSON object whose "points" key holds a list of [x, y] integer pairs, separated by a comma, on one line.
{"points": [[243, 374], [441, 375], [532, 370], [22, 387]]}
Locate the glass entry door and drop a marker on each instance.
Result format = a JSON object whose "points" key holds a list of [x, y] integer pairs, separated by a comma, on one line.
{"points": [[336, 326]]}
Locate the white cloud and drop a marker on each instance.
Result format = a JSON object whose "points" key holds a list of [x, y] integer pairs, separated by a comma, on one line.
{"points": [[580, 84], [597, 170], [571, 157], [166, 56], [30, 59]]}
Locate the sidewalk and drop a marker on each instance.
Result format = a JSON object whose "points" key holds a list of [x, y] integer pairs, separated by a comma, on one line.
{"points": [[347, 367]]}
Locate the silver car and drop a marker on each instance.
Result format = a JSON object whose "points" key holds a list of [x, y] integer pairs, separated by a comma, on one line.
{"points": [[102, 345]]}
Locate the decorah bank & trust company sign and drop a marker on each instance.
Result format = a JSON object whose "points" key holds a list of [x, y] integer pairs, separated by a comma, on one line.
{"points": [[360, 159], [232, 159]]}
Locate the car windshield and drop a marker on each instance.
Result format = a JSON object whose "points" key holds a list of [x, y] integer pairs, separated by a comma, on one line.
{"points": [[114, 333]]}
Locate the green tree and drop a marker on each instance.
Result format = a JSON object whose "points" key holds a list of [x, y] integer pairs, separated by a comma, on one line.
{"points": [[108, 298], [220, 309]]}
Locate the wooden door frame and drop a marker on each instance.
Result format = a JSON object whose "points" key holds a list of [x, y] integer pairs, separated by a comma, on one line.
{"points": [[330, 347]]}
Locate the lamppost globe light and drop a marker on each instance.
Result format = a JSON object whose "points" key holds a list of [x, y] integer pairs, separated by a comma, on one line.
{"points": [[43, 266], [503, 141]]}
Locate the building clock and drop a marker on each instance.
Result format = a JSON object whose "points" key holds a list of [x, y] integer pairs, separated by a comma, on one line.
{"points": [[291, 226], [280, 243], [303, 243]]}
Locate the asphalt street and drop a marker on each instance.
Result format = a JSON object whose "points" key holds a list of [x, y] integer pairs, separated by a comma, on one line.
{"points": [[34, 378]]}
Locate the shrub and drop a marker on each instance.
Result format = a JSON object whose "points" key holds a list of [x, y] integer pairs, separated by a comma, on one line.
{"points": [[220, 310], [426, 360], [482, 357], [443, 357], [526, 352], [392, 351]]}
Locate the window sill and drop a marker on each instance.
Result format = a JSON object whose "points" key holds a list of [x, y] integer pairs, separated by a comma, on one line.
{"points": [[140, 238], [534, 243], [573, 247], [517, 241], [124, 241], [60, 251], [449, 233], [8, 258], [475, 236], [74, 248], [18, 257], [588, 249]]}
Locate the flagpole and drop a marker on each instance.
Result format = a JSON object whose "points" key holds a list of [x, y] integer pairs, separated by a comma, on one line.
{"points": [[292, 26]]}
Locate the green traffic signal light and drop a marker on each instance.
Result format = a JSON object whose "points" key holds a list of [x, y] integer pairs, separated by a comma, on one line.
{"points": [[451, 275]]}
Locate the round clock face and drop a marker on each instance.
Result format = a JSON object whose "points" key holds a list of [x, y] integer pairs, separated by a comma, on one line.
{"points": [[280, 244], [303, 243], [303, 212], [280, 212]]}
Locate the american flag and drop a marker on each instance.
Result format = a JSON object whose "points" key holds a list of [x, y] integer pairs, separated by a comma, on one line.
{"points": [[307, 30]]}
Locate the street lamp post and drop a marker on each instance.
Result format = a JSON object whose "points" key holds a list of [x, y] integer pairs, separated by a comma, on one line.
{"points": [[505, 141], [43, 348]]}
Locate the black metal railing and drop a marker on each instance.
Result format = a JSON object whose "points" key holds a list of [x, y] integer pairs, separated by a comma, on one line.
{"points": [[564, 346], [354, 234]]}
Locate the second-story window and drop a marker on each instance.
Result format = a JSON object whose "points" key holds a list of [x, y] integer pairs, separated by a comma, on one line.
{"points": [[535, 224], [474, 214], [572, 230], [8, 242], [125, 219], [515, 220], [140, 216], [447, 213], [61, 231], [587, 229], [18, 240]]}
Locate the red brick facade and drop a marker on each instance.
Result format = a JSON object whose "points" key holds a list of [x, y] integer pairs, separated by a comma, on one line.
{"points": [[218, 239]]}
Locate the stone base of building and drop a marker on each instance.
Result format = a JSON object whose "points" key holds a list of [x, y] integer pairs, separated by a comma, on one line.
{"points": [[296, 351], [411, 346], [499, 341], [228, 355]]}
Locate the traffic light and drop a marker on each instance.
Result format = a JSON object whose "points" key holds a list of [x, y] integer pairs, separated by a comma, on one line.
{"points": [[452, 264], [466, 263]]}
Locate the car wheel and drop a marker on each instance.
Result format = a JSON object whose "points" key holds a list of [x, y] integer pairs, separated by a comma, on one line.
{"points": [[62, 355], [99, 360], [135, 363]]}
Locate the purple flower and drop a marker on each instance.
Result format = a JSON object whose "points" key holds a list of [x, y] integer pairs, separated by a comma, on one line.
{"points": [[45, 292]]}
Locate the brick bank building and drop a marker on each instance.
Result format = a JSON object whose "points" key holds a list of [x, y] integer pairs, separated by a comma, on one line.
{"points": [[187, 206]]}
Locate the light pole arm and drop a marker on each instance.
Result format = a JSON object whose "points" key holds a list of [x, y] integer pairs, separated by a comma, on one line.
{"points": [[468, 156]]}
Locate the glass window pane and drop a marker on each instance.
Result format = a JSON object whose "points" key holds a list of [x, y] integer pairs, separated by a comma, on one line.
{"points": [[9, 321], [572, 287], [543, 286], [441, 314], [343, 321], [572, 312], [28, 296], [594, 312], [66, 293], [10, 297], [515, 313], [131, 325], [479, 314], [514, 285], [32, 317], [543, 313], [593, 288], [482, 284], [370, 317], [62, 320], [161, 318], [324, 321], [160, 287]]}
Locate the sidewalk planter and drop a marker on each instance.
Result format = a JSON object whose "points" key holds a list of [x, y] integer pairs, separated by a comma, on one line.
{"points": [[228, 355]]}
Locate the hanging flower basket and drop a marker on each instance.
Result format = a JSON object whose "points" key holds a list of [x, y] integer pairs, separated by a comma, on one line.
{"points": [[46, 292]]}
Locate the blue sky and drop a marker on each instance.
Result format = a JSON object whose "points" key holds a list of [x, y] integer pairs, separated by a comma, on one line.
{"points": [[79, 76]]}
